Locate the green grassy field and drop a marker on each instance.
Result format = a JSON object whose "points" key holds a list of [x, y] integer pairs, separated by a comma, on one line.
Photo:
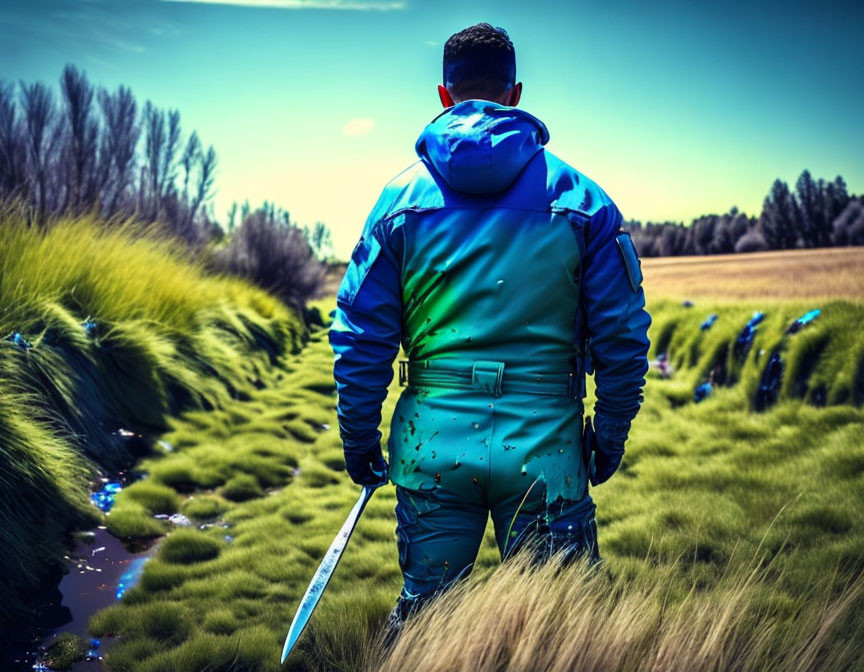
{"points": [[707, 492], [729, 534]]}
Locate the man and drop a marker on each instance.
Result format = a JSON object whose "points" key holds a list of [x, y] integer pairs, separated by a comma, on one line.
{"points": [[503, 273]]}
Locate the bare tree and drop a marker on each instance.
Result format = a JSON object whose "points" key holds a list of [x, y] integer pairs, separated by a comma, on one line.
{"points": [[190, 155], [172, 143], [119, 146], [13, 158], [232, 218], [83, 153], [319, 239], [154, 148], [80, 140], [39, 114], [206, 175]]}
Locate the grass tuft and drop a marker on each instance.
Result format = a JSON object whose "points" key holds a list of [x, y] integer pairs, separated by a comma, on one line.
{"points": [[189, 546]]}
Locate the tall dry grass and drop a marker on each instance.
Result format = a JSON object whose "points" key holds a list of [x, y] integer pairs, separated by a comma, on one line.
{"points": [[557, 619]]}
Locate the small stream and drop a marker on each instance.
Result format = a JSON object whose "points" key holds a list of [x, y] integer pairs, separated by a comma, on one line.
{"points": [[100, 570]]}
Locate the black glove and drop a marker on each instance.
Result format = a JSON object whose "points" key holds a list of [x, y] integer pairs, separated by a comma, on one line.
{"points": [[366, 467], [603, 446]]}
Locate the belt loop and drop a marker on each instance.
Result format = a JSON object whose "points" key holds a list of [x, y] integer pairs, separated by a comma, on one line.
{"points": [[403, 372], [488, 376], [576, 383]]}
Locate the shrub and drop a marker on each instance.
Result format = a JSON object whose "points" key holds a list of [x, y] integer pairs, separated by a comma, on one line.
{"points": [[752, 241], [275, 256]]}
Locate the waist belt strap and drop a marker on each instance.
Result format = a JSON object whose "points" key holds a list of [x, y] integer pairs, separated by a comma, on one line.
{"points": [[483, 376]]}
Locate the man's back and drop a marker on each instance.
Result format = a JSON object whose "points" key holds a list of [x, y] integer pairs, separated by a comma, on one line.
{"points": [[503, 273], [490, 230]]}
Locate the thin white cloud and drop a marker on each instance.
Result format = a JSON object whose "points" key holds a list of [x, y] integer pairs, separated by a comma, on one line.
{"points": [[359, 126], [431, 43], [123, 45], [356, 5]]}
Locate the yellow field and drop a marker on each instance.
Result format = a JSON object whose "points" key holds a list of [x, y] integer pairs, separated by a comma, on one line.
{"points": [[829, 273]]}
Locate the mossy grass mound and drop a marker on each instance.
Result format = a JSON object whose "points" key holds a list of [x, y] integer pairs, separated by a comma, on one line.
{"points": [[66, 650], [823, 362], [109, 328], [185, 547]]}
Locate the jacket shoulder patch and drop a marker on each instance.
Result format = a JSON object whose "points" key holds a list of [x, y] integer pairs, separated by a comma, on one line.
{"points": [[631, 260], [364, 255]]}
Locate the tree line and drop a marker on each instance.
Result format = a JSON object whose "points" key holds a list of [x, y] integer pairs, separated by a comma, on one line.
{"points": [[89, 150], [817, 213], [82, 150]]}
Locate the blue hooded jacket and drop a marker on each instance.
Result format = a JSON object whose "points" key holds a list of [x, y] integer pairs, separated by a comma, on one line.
{"points": [[490, 248]]}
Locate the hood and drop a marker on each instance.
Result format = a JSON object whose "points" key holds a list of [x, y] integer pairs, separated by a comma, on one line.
{"points": [[479, 146]]}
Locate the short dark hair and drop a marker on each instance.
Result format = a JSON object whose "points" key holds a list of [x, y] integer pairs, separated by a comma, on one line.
{"points": [[479, 61]]}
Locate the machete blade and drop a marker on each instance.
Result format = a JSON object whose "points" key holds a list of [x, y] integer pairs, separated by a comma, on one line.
{"points": [[325, 571]]}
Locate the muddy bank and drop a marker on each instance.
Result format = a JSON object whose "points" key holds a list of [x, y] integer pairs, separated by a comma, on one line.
{"points": [[98, 573]]}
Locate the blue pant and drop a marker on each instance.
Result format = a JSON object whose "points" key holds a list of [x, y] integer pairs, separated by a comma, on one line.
{"points": [[460, 448], [439, 533]]}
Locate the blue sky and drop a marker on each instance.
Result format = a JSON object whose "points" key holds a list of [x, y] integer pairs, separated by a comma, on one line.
{"points": [[676, 109]]}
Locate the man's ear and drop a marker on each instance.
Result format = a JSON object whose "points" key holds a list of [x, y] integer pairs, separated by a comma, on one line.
{"points": [[444, 95], [515, 95]]}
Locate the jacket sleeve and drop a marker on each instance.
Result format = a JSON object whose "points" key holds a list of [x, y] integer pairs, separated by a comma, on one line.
{"points": [[365, 335], [617, 323]]}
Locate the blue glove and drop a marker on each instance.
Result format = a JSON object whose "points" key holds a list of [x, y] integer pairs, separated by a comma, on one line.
{"points": [[366, 468], [603, 444]]}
